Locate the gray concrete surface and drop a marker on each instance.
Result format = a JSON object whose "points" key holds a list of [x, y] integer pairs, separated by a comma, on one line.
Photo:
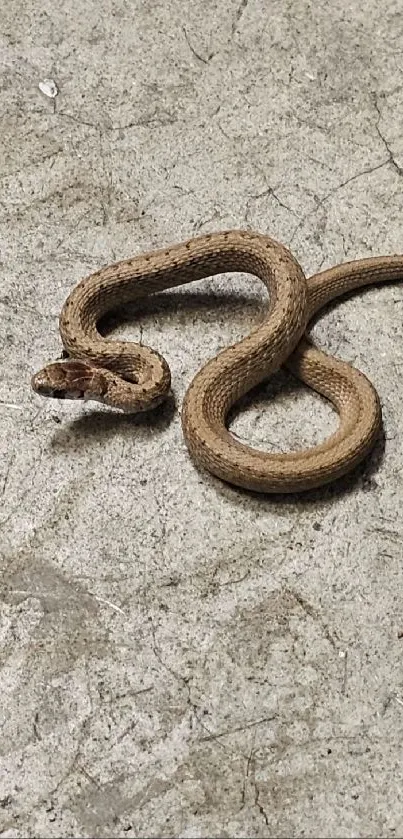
{"points": [[179, 658]]}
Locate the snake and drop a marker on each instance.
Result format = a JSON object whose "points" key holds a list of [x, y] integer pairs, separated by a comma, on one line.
{"points": [[132, 377]]}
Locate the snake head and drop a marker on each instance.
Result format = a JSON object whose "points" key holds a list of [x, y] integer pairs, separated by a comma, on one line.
{"points": [[128, 389], [70, 379]]}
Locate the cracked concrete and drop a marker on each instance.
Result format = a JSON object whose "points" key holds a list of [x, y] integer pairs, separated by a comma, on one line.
{"points": [[180, 658]]}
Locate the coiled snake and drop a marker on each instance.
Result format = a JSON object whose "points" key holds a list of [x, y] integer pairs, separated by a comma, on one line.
{"points": [[133, 377]]}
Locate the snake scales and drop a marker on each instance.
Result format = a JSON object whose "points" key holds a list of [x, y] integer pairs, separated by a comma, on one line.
{"points": [[134, 378]]}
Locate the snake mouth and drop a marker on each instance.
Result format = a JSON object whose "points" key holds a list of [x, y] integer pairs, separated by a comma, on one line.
{"points": [[68, 394], [42, 384], [55, 393]]}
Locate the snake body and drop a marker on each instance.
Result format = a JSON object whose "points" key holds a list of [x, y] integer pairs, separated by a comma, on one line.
{"points": [[134, 378]]}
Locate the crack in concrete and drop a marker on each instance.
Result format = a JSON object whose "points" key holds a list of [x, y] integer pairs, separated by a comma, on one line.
{"points": [[194, 709], [78, 120], [391, 161], [249, 763], [266, 192], [193, 51], [391, 158], [107, 190], [238, 15], [245, 727], [149, 121], [257, 802], [259, 805], [233, 582], [7, 473], [320, 202], [38, 162], [333, 638], [174, 673]]}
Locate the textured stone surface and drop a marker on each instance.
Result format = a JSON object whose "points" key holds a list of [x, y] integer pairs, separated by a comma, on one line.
{"points": [[179, 658]]}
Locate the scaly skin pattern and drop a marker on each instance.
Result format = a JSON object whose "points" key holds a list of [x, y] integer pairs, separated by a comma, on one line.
{"points": [[133, 378]]}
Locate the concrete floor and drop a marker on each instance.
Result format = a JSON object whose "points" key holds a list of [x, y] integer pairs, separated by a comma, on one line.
{"points": [[180, 658]]}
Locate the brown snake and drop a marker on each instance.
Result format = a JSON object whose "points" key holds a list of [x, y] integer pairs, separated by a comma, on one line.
{"points": [[134, 378]]}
